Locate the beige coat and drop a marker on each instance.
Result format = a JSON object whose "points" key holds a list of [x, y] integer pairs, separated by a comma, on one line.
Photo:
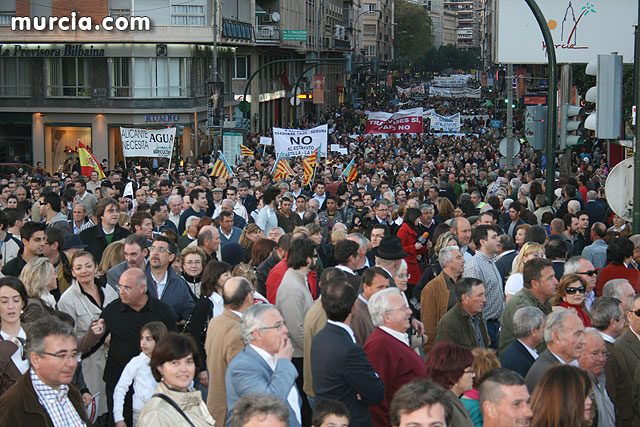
{"points": [[78, 306], [159, 413], [223, 343]]}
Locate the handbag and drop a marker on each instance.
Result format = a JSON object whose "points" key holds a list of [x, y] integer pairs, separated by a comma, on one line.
{"points": [[175, 406]]}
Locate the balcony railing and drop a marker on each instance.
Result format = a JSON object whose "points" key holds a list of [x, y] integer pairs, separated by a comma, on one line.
{"points": [[267, 34], [341, 44]]}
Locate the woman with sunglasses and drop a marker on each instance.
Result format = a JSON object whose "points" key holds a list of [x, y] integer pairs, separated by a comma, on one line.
{"points": [[570, 294], [13, 298]]}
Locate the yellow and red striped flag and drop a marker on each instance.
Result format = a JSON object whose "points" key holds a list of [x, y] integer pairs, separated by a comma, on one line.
{"points": [[246, 151], [221, 168], [282, 168], [350, 171], [88, 163], [309, 164]]}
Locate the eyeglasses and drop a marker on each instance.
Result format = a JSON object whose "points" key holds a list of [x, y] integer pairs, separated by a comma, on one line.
{"points": [[278, 326], [126, 289], [156, 249], [573, 291], [403, 308], [589, 273], [196, 262], [603, 353], [75, 355], [637, 313]]}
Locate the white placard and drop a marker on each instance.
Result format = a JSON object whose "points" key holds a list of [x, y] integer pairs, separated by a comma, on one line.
{"points": [[147, 143], [343, 151], [335, 147], [445, 123], [265, 140], [300, 142]]}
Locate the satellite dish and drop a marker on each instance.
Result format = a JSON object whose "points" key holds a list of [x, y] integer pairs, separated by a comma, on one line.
{"points": [[619, 189], [275, 17]]}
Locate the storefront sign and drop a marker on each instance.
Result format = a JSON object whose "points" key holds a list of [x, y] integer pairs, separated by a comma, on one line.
{"points": [[301, 142], [53, 50], [294, 35], [147, 143], [162, 118]]}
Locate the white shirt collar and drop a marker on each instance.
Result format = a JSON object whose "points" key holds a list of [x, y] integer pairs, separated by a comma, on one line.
{"points": [[532, 351], [271, 359], [236, 313], [607, 337], [573, 363], [345, 327], [400, 336], [345, 268]]}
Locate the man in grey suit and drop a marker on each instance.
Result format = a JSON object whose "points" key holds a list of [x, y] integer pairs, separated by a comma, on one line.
{"points": [[264, 366], [564, 335], [135, 254]]}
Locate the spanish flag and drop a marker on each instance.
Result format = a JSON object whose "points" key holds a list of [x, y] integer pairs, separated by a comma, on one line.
{"points": [[246, 151], [309, 164], [350, 171], [88, 163], [282, 169], [221, 168]]}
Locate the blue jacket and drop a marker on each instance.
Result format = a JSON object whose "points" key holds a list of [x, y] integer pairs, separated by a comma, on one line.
{"points": [[249, 373], [176, 293], [517, 358]]}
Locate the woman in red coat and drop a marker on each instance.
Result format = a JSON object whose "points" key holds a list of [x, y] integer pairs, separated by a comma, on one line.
{"points": [[619, 256], [409, 237]]}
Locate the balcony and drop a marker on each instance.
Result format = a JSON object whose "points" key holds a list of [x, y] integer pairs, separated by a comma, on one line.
{"points": [[267, 35], [341, 44], [237, 31]]}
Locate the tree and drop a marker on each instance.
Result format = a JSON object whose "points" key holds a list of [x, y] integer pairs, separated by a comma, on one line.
{"points": [[413, 34]]}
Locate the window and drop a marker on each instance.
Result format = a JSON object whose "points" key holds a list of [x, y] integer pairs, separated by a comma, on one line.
{"points": [[201, 75], [371, 7], [369, 30], [117, 13], [150, 77], [187, 15], [14, 77], [68, 77], [370, 50], [240, 67], [5, 16]]}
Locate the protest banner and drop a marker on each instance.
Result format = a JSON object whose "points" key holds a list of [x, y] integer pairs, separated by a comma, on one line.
{"points": [[403, 121], [445, 123], [301, 142], [147, 142], [265, 140]]}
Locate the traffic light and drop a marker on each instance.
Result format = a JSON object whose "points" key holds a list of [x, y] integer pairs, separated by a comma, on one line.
{"points": [[180, 130], [568, 125], [606, 120], [536, 126]]}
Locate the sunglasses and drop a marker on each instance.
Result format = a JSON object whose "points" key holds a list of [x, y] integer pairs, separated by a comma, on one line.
{"points": [[637, 313], [589, 273], [573, 291]]}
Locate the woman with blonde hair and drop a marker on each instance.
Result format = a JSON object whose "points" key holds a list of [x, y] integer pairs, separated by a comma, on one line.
{"points": [[39, 278], [247, 271], [112, 256], [124, 220], [484, 360], [515, 282], [250, 234], [193, 262], [445, 209]]}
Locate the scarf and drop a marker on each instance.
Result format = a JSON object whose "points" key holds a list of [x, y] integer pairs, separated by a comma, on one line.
{"points": [[586, 321]]}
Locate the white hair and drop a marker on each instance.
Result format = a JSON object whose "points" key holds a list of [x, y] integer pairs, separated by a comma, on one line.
{"points": [[379, 304]]}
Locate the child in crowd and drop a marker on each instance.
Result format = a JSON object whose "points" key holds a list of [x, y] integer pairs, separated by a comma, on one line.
{"points": [[330, 413]]}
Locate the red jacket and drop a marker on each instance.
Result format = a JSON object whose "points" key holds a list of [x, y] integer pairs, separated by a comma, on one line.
{"points": [[275, 278], [396, 364], [612, 271], [409, 237]]}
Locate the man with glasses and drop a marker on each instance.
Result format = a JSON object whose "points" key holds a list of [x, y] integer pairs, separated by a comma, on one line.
{"points": [[608, 317], [388, 348], [123, 320], [44, 395], [585, 269], [264, 365]]}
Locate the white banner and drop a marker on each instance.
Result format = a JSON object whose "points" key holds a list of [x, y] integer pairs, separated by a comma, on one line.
{"points": [[454, 80], [445, 123], [419, 89], [147, 143], [265, 140], [301, 142], [455, 92]]}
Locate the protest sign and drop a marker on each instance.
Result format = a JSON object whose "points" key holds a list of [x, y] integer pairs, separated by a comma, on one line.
{"points": [[300, 142], [403, 121], [147, 142]]}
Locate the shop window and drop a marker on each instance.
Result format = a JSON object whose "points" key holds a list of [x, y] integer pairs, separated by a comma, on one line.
{"points": [[240, 67], [187, 15], [68, 77], [64, 143], [15, 77]]}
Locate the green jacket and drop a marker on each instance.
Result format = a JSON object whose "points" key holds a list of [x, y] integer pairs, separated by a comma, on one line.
{"points": [[455, 327], [524, 298]]}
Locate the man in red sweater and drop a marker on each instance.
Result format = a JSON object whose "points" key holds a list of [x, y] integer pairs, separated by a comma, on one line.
{"points": [[277, 273], [388, 349]]}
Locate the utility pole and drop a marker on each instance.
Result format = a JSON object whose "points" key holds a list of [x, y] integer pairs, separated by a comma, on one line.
{"points": [[636, 151], [214, 68], [566, 81], [319, 47], [509, 79]]}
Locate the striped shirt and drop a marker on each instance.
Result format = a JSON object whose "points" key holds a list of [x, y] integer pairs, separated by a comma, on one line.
{"points": [[483, 268], [56, 403]]}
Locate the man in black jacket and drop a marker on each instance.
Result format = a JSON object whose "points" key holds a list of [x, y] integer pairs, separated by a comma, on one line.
{"points": [[33, 241], [98, 237]]}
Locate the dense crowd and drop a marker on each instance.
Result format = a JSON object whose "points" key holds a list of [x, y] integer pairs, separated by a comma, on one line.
{"points": [[435, 289]]}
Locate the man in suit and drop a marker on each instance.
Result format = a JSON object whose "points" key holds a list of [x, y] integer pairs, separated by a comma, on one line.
{"points": [[628, 344], [135, 254], [504, 260], [264, 365], [564, 335], [388, 349], [374, 280], [607, 316], [596, 252], [528, 325], [340, 368], [224, 342], [348, 258], [438, 296], [463, 324], [595, 210]]}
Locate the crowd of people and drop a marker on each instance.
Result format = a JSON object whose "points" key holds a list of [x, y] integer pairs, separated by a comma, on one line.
{"points": [[435, 289]]}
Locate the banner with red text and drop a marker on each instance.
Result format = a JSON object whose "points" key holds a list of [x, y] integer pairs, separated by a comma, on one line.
{"points": [[404, 121]]}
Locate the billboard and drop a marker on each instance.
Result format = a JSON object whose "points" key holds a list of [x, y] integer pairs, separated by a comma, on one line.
{"points": [[580, 29]]}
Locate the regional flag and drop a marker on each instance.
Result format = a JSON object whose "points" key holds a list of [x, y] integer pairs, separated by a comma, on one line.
{"points": [[221, 168], [350, 171], [281, 169], [88, 163], [309, 164], [246, 151]]}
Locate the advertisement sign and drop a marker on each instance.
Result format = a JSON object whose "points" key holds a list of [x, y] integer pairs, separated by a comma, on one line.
{"points": [[147, 143], [581, 29], [318, 89], [404, 121], [301, 142], [445, 123], [294, 35], [534, 100], [231, 141]]}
